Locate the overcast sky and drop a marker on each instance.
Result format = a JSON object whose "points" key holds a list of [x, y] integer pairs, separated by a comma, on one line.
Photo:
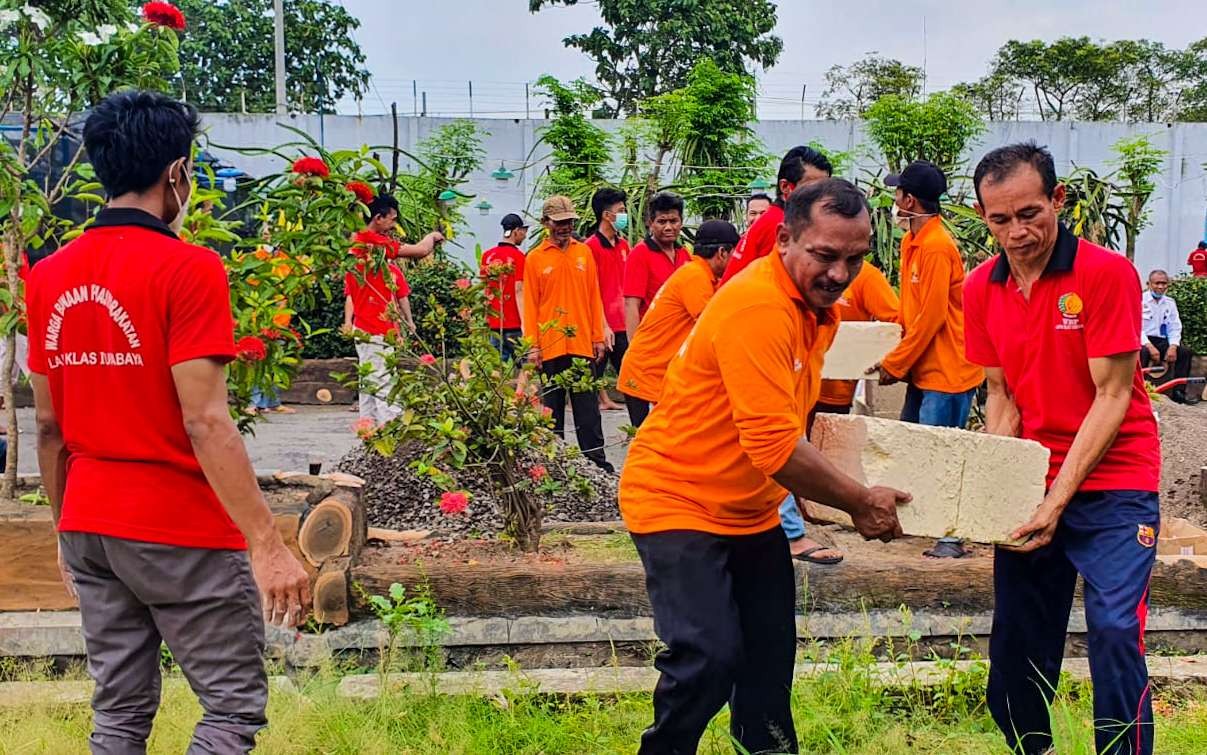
{"points": [[498, 45]]}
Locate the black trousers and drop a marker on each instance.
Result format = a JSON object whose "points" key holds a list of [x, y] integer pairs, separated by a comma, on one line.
{"points": [[613, 357], [588, 424], [725, 607], [638, 408], [1181, 366]]}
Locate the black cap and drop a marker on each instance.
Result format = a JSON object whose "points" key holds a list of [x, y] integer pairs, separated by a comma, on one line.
{"points": [[511, 221], [922, 179], [716, 233]]}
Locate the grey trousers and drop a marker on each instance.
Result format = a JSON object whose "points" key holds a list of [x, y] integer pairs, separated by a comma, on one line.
{"points": [[203, 604]]}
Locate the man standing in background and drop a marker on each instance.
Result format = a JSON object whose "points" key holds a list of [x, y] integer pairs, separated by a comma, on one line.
{"points": [[564, 320], [755, 207], [503, 270], [1198, 260], [611, 251], [654, 259], [1162, 333]]}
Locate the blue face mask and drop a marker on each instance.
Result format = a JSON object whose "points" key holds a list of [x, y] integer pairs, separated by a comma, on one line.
{"points": [[1156, 295], [621, 223]]}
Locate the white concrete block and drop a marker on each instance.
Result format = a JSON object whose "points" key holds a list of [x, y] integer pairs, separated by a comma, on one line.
{"points": [[971, 485], [857, 347]]}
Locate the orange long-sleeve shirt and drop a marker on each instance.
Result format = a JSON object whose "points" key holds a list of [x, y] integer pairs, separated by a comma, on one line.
{"points": [[671, 315], [733, 407], [931, 353], [563, 313], [869, 297]]}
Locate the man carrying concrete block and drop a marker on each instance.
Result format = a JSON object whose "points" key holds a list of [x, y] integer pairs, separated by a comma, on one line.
{"points": [[1055, 321], [706, 474]]}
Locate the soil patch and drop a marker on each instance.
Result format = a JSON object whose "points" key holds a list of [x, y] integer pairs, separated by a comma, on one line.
{"points": [[1183, 455], [555, 549]]}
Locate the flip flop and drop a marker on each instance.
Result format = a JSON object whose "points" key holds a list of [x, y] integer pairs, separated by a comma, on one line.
{"points": [[945, 549], [808, 557]]}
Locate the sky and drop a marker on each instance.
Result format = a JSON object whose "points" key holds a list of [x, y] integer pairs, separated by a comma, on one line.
{"points": [[499, 46]]}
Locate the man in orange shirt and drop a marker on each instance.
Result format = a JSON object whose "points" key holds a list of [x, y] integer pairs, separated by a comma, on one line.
{"points": [[930, 357], [705, 476], [869, 297], [564, 320], [671, 316]]}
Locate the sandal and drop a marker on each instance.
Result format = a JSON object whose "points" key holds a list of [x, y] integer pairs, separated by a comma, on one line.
{"points": [[946, 549], [809, 558]]}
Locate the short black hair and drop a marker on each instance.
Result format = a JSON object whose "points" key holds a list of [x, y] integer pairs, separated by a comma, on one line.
{"points": [[792, 167], [930, 206], [382, 204], [1003, 161], [132, 136], [605, 198], [666, 201], [708, 251], [760, 195], [1203, 245], [834, 195]]}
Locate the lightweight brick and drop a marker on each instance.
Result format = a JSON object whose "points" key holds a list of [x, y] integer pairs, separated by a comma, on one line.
{"points": [[857, 347], [971, 485]]}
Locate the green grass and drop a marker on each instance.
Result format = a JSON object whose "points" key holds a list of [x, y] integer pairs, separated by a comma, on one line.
{"points": [[842, 712]]}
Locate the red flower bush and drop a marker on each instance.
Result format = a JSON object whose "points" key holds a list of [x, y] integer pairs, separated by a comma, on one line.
{"points": [[362, 190], [452, 504], [364, 242], [538, 473], [462, 283], [163, 14], [311, 166], [427, 360], [251, 349], [365, 428]]}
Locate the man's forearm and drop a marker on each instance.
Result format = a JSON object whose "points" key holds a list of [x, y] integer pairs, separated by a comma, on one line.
{"points": [[519, 303], [1001, 415], [414, 251], [810, 475], [223, 458], [52, 466], [632, 316], [1095, 436]]}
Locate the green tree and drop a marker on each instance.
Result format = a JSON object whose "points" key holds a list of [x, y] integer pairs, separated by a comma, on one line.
{"points": [[851, 90], [579, 150], [936, 129], [648, 47], [996, 96], [1138, 164], [227, 58], [1191, 68]]}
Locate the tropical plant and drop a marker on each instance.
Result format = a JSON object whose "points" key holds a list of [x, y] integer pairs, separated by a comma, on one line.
{"points": [[1190, 292], [1137, 166], [579, 150], [938, 129]]}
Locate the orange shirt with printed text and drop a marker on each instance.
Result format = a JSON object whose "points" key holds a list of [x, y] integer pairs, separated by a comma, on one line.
{"points": [[671, 315], [869, 297], [561, 287], [931, 353], [734, 406]]}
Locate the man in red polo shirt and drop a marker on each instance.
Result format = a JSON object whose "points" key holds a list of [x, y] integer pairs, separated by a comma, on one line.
{"points": [[611, 251], [654, 259], [156, 503], [1198, 260], [1055, 321], [503, 271], [801, 165]]}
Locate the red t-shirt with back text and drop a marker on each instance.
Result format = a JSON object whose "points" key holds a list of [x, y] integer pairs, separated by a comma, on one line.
{"points": [[501, 283], [110, 314], [1085, 305], [1198, 262], [371, 297]]}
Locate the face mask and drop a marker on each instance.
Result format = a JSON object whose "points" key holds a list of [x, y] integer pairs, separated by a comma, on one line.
{"points": [[1157, 295], [177, 223], [621, 223], [900, 220]]}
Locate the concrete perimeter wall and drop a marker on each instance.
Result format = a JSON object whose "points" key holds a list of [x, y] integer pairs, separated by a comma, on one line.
{"points": [[1179, 205]]}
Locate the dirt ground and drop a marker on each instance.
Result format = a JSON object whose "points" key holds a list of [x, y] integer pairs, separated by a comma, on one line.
{"points": [[1183, 456]]}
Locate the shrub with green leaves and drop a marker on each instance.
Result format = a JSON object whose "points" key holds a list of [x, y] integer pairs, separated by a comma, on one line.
{"points": [[1191, 295]]}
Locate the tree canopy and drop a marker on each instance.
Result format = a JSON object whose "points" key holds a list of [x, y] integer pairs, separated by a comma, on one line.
{"points": [[648, 47], [226, 56], [851, 90]]}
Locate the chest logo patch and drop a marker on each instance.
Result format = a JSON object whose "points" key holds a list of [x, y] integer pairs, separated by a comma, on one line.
{"points": [[1145, 536], [1071, 307]]}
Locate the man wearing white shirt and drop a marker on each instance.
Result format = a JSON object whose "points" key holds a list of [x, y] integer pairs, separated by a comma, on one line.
{"points": [[1162, 333]]}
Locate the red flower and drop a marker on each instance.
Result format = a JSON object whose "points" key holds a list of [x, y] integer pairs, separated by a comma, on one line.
{"points": [[454, 503], [462, 283], [538, 473], [311, 166], [251, 349], [271, 334], [427, 360], [365, 428], [163, 14], [364, 242], [362, 190]]}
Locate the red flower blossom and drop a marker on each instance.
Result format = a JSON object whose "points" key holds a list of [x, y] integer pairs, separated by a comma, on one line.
{"points": [[452, 504], [163, 14], [271, 334], [538, 472], [462, 283], [251, 349], [311, 166], [362, 190], [364, 242], [427, 360], [364, 428]]}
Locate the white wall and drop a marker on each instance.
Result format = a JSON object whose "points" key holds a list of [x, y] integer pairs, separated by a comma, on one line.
{"points": [[1179, 206]]}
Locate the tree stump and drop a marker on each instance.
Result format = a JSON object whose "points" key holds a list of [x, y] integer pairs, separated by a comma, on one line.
{"points": [[335, 527], [331, 592]]}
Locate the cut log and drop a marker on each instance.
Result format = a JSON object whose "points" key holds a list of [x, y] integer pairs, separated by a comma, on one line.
{"points": [[336, 526], [331, 592], [397, 536]]}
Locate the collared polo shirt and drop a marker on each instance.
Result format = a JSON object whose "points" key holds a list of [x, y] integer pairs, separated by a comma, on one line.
{"points": [[1198, 262], [648, 268], [1085, 305], [1160, 318], [734, 405], [563, 313], [758, 242], [610, 261], [372, 294], [502, 269]]}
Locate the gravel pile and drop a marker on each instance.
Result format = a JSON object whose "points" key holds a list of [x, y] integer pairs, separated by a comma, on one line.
{"points": [[398, 499]]}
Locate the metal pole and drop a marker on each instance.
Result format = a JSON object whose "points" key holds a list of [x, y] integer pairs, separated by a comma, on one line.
{"points": [[803, 89], [471, 99], [424, 113], [527, 114], [278, 33], [415, 95]]}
